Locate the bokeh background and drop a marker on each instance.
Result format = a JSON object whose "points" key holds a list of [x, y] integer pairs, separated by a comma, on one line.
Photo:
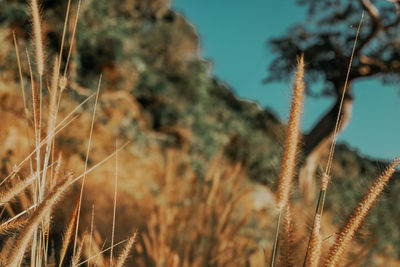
{"points": [[234, 36]]}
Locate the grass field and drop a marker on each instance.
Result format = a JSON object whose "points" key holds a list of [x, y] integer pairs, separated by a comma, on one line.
{"points": [[76, 192]]}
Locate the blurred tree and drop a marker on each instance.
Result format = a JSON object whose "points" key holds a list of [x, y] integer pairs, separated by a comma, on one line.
{"points": [[326, 40]]}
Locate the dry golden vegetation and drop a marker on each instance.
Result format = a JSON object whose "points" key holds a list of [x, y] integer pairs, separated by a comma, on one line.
{"points": [[104, 202]]}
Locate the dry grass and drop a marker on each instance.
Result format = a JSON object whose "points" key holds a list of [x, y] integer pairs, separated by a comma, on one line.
{"points": [[17, 252], [126, 251], [314, 252], [292, 138], [338, 250], [68, 233], [38, 36], [182, 218], [33, 223], [201, 232]]}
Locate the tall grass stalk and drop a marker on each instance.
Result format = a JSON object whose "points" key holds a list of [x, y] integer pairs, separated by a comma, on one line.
{"points": [[290, 152], [21, 79], [60, 54], [52, 119], [72, 38], [86, 162], [37, 104], [314, 247], [91, 234], [115, 203]]}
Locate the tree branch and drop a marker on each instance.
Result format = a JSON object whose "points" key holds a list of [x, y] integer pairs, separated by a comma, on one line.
{"points": [[377, 24], [373, 13], [371, 66]]}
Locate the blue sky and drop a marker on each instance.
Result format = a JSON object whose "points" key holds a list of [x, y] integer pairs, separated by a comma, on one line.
{"points": [[234, 36]]}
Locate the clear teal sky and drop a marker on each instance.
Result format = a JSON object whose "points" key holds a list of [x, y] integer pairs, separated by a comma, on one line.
{"points": [[233, 36]]}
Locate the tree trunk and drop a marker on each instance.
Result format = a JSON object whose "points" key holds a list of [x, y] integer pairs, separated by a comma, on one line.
{"points": [[317, 143]]}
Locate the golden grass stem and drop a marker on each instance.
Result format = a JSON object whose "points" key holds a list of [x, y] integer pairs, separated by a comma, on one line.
{"points": [[99, 163], [314, 246], [64, 32], [86, 162], [21, 79], [326, 177], [57, 170], [53, 99], [52, 119], [35, 101], [115, 202], [72, 38], [338, 249], [276, 239]]}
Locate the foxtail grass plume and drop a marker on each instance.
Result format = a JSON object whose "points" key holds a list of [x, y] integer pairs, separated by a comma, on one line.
{"points": [[17, 188], [12, 225], [291, 145], [287, 238], [125, 253], [292, 138], [314, 251], [68, 233], [338, 249], [37, 36]]}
